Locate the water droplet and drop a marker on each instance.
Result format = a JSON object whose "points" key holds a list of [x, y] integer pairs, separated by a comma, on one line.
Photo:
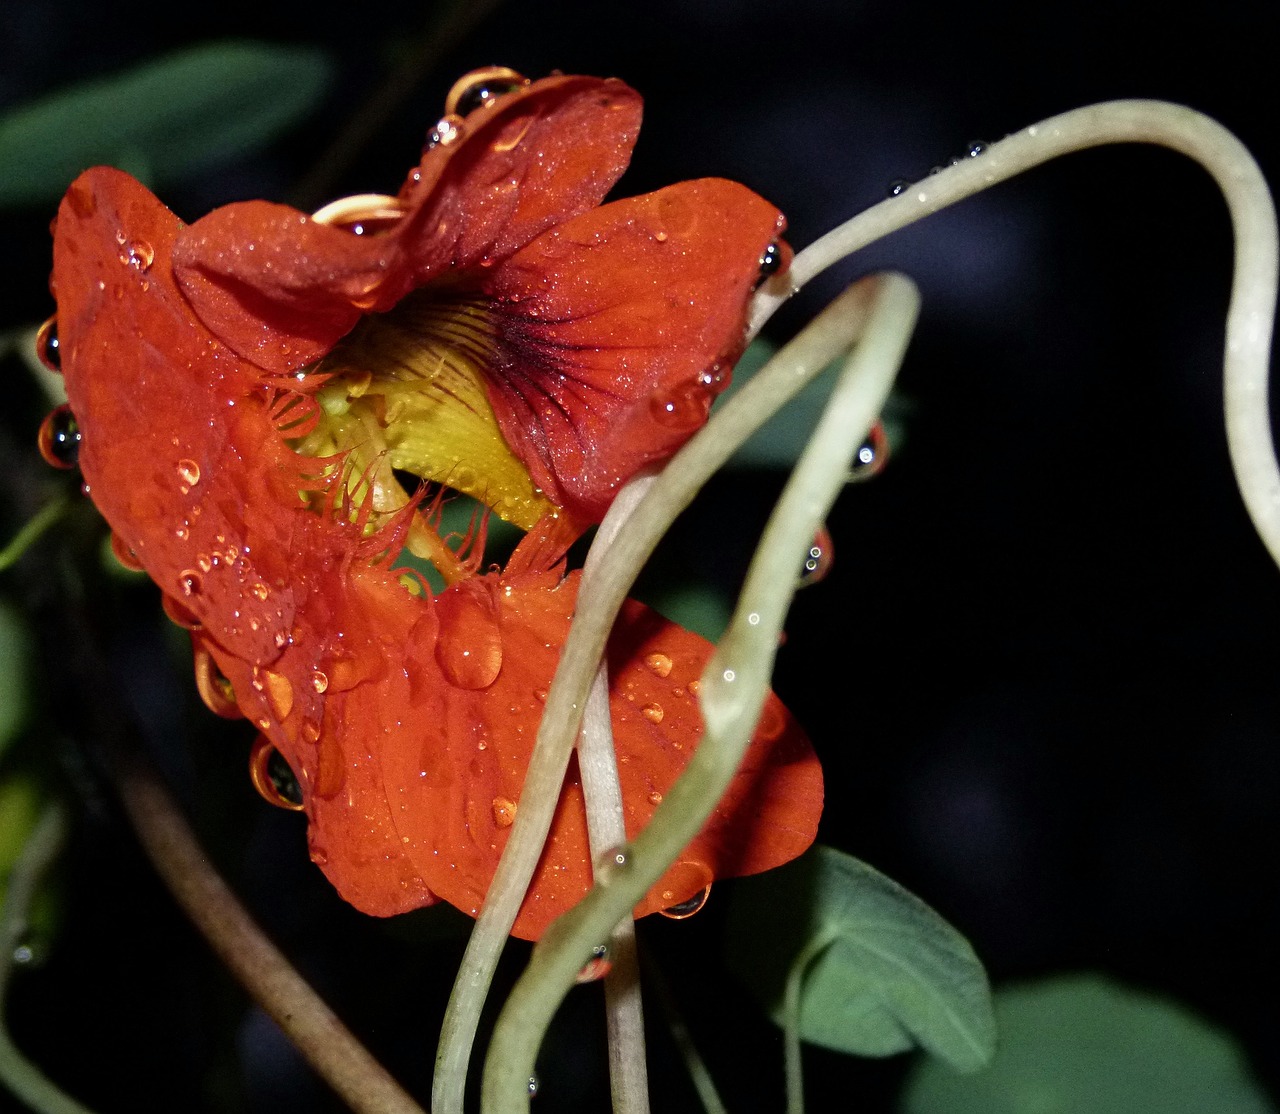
{"points": [[469, 646], [729, 676], [598, 966], [658, 664], [652, 712], [481, 89], [59, 438], [319, 681], [23, 954], [188, 472], [259, 591], [898, 187], [774, 260], [685, 909], [504, 812], [279, 693], [611, 863], [683, 407], [138, 255], [655, 798], [214, 688], [661, 237], [533, 1085], [695, 686], [204, 562], [180, 615], [122, 552], [273, 777], [871, 457], [819, 559], [447, 131], [975, 148], [48, 347], [189, 582], [540, 695]]}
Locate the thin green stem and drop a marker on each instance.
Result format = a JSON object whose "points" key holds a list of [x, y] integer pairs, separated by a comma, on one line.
{"points": [[693, 1062], [791, 1016], [326, 1044], [18, 1074], [36, 525], [606, 828], [734, 684], [1250, 318]]}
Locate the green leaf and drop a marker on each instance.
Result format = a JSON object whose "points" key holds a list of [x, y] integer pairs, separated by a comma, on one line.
{"points": [[163, 121], [885, 973], [1083, 1043], [781, 440]]}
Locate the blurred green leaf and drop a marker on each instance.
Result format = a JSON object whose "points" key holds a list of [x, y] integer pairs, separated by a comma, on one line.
{"points": [[704, 609], [885, 972], [162, 121], [1083, 1043], [15, 674], [781, 440]]}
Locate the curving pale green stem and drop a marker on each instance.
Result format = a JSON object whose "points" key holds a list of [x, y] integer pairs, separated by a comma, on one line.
{"points": [[734, 684], [36, 525], [1253, 290], [17, 1074], [649, 504], [606, 828], [1247, 356]]}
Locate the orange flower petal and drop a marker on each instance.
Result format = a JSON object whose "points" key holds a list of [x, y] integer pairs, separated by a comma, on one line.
{"points": [[454, 777], [280, 289], [618, 329]]}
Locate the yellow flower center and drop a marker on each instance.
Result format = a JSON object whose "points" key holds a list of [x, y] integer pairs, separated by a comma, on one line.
{"points": [[405, 392]]}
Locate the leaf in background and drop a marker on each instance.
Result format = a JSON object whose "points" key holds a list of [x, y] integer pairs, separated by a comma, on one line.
{"points": [[1082, 1043], [161, 121], [779, 443], [15, 647], [885, 972]]}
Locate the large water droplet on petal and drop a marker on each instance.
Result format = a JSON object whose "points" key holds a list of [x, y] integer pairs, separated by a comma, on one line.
{"points": [[683, 407], [137, 254], [188, 472], [504, 812], [469, 644], [214, 688], [48, 347], [59, 438], [272, 776], [686, 877], [685, 909], [123, 552], [279, 693], [658, 664], [481, 89]]}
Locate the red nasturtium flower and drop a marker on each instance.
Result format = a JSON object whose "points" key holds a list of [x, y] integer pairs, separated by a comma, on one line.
{"points": [[243, 387]]}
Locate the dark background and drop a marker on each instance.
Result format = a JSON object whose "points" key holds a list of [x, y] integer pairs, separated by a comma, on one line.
{"points": [[1042, 673]]}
